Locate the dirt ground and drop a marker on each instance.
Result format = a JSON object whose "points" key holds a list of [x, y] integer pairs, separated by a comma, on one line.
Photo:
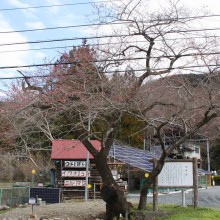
{"points": [[72, 210]]}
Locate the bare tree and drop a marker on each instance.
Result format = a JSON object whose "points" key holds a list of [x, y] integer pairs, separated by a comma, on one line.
{"points": [[141, 75], [161, 46]]}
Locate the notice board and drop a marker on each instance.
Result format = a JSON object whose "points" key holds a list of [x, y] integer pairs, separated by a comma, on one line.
{"points": [[176, 174]]}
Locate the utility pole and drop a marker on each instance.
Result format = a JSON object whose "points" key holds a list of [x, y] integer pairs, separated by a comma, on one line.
{"points": [[208, 156], [87, 163]]}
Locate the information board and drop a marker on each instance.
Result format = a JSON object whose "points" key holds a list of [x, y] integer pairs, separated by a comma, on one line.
{"points": [[176, 174], [74, 163], [74, 183], [74, 173]]}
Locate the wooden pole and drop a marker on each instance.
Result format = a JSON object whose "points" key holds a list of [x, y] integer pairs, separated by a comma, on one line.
{"points": [[195, 182], [155, 189]]}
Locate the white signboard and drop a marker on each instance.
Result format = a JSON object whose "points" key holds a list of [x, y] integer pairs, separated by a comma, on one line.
{"points": [[74, 163], [74, 173], [74, 183], [176, 174]]}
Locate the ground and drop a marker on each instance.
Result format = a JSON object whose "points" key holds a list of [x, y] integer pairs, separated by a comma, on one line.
{"points": [[95, 209], [72, 210]]}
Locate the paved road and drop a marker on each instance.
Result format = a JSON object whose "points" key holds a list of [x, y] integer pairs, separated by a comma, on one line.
{"points": [[207, 197]]}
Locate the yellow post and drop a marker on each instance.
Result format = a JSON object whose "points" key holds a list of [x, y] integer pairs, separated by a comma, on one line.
{"points": [[33, 171]]}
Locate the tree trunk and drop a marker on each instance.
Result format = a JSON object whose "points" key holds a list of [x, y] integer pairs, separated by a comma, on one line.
{"points": [[116, 202], [143, 197]]}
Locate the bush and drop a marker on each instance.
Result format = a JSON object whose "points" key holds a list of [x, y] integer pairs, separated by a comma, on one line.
{"points": [[15, 169], [217, 180]]}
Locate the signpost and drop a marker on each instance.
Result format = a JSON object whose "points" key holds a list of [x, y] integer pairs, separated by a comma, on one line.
{"points": [[33, 171], [180, 174], [176, 174], [32, 202]]}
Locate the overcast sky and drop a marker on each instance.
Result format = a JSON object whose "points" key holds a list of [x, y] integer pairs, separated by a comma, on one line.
{"points": [[43, 17]]}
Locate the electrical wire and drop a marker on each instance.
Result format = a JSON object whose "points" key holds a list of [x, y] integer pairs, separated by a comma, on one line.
{"points": [[98, 24], [56, 5], [107, 72], [102, 44], [105, 60], [65, 27], [101, 37], [110, 60]]}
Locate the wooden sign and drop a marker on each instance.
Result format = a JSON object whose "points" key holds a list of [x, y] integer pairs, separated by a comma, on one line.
{"points": [[74, 163], [74, 173], [176, 174], [74, 183]]}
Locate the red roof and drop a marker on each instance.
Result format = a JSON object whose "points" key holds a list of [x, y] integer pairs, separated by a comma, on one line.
{"points": [[71, 149]]}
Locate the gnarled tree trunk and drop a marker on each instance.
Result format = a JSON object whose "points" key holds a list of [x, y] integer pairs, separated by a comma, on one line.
{"points": [[144, 192], [116, 202]]}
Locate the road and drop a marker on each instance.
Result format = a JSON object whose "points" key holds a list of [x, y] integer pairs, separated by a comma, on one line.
{"points": [[206, 198]]}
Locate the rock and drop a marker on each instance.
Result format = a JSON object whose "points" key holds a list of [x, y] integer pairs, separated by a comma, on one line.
{"points": [[4, 207], [33, 216]]}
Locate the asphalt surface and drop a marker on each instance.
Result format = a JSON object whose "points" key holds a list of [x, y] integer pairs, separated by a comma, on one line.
{"points": [[209, 197]]}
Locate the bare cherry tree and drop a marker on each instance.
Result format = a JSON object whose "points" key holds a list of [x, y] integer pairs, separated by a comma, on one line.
{"points": [[142, 70], [175, 64]]}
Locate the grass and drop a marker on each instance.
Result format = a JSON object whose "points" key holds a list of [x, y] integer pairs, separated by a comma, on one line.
{"points": [[189, 213], [174, 212], [3, 211]]}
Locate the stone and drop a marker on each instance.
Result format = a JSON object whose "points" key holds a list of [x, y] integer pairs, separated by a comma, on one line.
{"points": [[33, 216]]}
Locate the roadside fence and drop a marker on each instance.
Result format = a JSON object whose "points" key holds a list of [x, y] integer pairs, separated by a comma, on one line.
{"points": [[14, 196]]}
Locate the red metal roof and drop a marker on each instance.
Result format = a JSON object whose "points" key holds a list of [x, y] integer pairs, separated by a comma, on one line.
{"points": [[71, 149]]}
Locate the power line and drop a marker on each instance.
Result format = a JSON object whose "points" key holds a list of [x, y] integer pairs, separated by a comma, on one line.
{"points": [[56, 5], [101, 44], [64, 27], [111, 71], [125, 59], [62, 39], [108, 60], [98, 24], [100, 37], [111, 60]]}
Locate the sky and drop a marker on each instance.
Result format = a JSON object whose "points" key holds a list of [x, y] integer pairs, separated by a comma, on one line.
{"points": [[36, 18], [73, 13]]}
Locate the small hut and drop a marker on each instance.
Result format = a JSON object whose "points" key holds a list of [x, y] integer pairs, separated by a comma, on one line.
{"points": [[73, 163]]}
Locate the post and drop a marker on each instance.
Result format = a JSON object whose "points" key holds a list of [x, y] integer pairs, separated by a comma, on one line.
{"points": [[1, 196], [184, 198], [33, 171], [195, 182], [94, 191], [87, 164], [208, 157], [87, 176], [155, 189], [32, 202], [128, 178]]}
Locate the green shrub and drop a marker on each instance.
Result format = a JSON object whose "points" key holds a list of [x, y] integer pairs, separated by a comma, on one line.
{"points": [[217, 180]]}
